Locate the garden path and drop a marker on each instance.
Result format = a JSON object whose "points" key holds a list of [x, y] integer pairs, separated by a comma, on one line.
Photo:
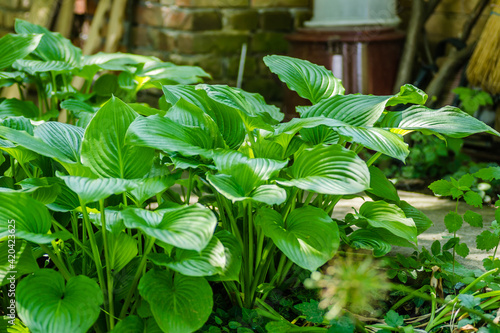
{"points": [[436, 209]]}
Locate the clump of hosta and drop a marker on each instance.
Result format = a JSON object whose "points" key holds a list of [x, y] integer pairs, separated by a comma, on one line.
{"points": [[350, 284]]}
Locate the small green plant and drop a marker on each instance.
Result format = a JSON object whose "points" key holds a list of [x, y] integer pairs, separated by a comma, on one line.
{"points": [[473, 99]]}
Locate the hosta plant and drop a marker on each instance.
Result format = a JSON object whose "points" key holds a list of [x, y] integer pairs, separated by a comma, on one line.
{"points": [[134, 218]]}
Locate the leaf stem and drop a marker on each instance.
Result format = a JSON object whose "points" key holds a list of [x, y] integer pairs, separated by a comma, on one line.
{"points": [[109, 276], [59, 264], [149, 245], [373, 158]]}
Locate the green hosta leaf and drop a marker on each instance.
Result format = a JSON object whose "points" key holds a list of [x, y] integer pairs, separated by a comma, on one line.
{"points": [[168, 73], [473, 218], [422, 222], [18, 123], [360, 110], [448, 120], [380, 214], [16, 263], [22, 155], [180, 304], [308, 237], [210, 261], [52, 46], [234, 257], [12, 107], [167, 135], [34, 67], [254, 110], [187, 227], [41, 189], [31, 218], [487, 240], [152, 186], [488, 173], [473, 199], [46, 305], [29, 142], [77, 107], [122, 249], [453, 222], [377, 139], [231, 189], [247, 172], [145, 110], [366, 239], [12, 325], [329, 170], [62, 137], [92, 190], [441, 187], [130, 324], [381, 187], [104, 149], [308, 80], [228, 119], [114, 220], [14, 47], [462, 250]]}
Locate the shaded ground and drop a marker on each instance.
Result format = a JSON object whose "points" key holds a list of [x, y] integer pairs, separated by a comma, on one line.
{"points": [[435, 209]]}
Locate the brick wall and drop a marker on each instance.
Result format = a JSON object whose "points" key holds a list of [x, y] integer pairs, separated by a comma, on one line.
{"points": [[210, 34], [9, 11]]}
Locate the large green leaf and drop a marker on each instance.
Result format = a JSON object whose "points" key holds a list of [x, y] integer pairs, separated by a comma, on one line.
{"points": [[247, 172], [16, 263], [253, 109], [46, 305], [91, 190], [377, 139], [29, 142], [380, 214], [130, 324], [180, 304], [122, 249], [34, 67], [381, 187], [360, 110], [328, 170], [210, 261], [187, 227], [368, 240], [104, 149], [29, 218], [41, 189], [308, 237], [52, 46], [228, 119], [164, 134], [13, 107], [229, 187], [14, 47], [62, 137], [151, 186], [422, 222], [448, 120], [308, 80]]}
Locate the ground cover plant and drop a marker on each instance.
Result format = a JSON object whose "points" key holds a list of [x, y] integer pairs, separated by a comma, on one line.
{"points": [[128, 217]]}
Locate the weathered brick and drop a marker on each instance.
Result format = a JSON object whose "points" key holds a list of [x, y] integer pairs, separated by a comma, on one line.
{"points": [[240, 19], [300, 16], [192, 20], [144, 36], [212, 3], [281, 3], [220, 42], [168, 40], [149, 14], [276, 20], [210, 63], [269, 42], [149, 52], [232, 66], [9, 18]]}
